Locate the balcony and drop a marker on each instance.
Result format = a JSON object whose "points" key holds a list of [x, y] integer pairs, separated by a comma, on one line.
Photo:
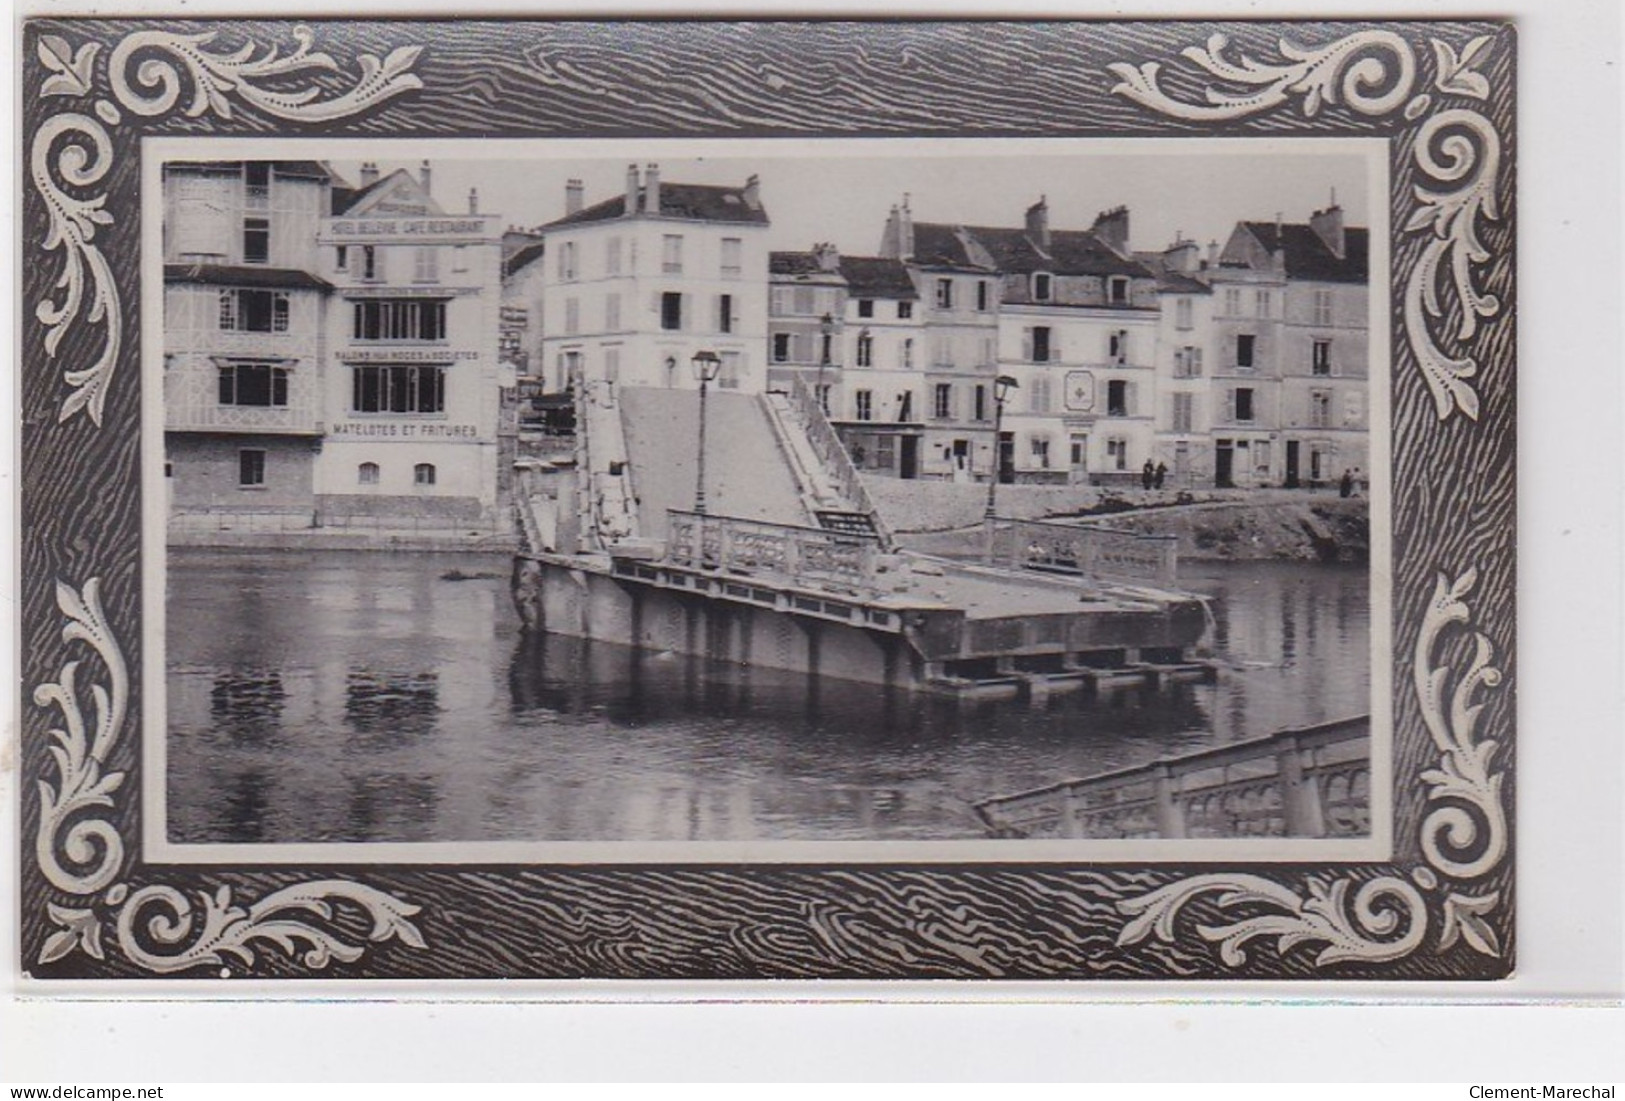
{"points": [[248, 419]]}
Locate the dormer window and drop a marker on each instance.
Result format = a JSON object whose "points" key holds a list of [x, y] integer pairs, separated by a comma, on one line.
{"points": [[1117, 289], [1042, 286]]}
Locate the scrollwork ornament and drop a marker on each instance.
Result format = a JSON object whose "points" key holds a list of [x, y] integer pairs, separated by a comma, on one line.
{"points": [[81, 853], [1373, 73], [71, 152]]}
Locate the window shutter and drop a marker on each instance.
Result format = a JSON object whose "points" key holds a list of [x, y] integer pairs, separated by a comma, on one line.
{"points": [[1130, 404], [1027, 344], [1196, 362], [1230, 405]]}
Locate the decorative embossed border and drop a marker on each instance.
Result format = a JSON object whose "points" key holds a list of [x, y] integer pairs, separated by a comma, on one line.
{"points": [[1441, 93]]}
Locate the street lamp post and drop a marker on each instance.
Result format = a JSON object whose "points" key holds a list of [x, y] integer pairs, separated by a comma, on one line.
{"points": [[706, 365], [826, 331], [1001, 390]]}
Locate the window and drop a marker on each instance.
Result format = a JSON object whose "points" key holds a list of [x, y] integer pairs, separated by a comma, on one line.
{"points": [[612, 364], [1117, 399], [399, 319], [1353, 408], [725, 313], [1182, 313], [367, 474], [866, 349], [1232, 301], [908, 354], [246, 311], [981, 296], [1183, 406], [612, 256], [1038, 394], [781, 347], [1244, 351], [1038, 352], [1243, 404], [1265, 302], [254, 384], [1040, 446], [1117, 289], [866, 307], [459, 258], [979, 402], [372, 262], [823, 397], [572, 316], [1041, 286], [865, 400], [1323, 307], [905, 406], [250, 467], [905, 310], [802, 300], [398, 388], [728, 373], [671, 310], [1117, 346], [423, 474], [341, 258], [257, 184], [945, 294], [256, 241], [426, 264], [567, 262], [1320, 408], [732, 249], [942, 401], [1320, 357], [671, 254], [612, 312], [1117, 453], [1188, 362]]}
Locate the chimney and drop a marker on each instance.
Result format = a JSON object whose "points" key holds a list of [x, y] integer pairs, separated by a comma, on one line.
{"points": [[1181, 256], [1038, 222], [828, 257], [573, 196], [907, 229], [631, 190], [425, 177], [651, 189], [1111, 226], [1328, 226], [1213, 253], [473, 200], [753, 192], [369, 173]]}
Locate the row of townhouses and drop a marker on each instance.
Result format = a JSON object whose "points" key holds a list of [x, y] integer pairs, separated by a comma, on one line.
{"points": [[351, 356]]}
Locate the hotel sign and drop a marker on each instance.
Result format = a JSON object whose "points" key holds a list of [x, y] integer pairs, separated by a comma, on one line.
{"points": [[408, 355], [409, 229]]}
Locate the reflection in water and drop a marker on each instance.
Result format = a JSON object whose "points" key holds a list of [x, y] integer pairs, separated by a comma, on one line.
{"points": [[360, 696]]}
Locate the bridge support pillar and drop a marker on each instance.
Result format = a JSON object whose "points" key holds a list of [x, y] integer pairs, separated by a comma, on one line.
{"points": [[1170, 816], [1300, 798]]}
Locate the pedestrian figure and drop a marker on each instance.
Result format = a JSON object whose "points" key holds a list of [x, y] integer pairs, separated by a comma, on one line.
{"points": [[1148, 474], [1345, 487], [1161, 473]]}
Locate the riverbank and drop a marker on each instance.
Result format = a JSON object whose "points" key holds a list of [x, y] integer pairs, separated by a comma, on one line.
{"points": [[324, 539], [1258, 526]]}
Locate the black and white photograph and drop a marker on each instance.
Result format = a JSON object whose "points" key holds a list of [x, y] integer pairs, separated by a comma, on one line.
{"points": [[710, 499], [631, 521]]}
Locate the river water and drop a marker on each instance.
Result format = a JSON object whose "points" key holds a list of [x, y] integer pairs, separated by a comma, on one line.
{"points": [[373, 696]]}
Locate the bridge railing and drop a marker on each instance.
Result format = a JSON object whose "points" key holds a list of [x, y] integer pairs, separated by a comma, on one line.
{"points": [[827, 445], [811, 557], [1091, 551], [1313, 782]]}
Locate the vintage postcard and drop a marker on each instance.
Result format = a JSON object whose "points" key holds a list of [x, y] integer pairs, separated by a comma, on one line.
{"points": [[744, 500]]}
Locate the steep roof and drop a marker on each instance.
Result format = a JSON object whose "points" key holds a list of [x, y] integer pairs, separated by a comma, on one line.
{"points": [[1171, 280], [1070, 251], [1309, 258], [523, 257], [692, 202], [877, 277], [234, 275], [794, 263]]}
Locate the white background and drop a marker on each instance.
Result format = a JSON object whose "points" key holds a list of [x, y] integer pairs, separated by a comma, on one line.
{"points": [[1570, 779]]}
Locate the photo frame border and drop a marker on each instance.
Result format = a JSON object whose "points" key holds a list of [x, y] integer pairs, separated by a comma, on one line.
{"points": [[1441, 92]]}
